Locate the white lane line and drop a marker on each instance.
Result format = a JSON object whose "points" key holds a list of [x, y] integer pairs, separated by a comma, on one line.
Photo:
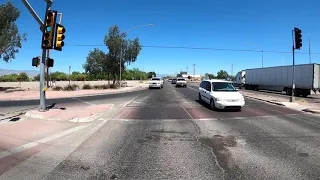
{"points": [[187, 112], [43, 140], [125, 104], [83, 101]]}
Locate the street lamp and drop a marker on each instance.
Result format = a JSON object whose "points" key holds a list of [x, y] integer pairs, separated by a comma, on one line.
{"points": [[259, 49], [122, 43]]}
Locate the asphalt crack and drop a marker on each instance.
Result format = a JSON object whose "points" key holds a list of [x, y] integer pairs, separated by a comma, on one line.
{"points": [[209, 147]]}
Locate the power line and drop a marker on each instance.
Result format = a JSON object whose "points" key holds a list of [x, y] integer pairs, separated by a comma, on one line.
{"points": [[199, 48]]}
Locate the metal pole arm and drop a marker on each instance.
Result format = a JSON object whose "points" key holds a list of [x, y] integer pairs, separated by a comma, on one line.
{"points": [[137, 27], [33, 13]]}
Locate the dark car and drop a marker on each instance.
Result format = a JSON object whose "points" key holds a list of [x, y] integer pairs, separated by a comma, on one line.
{"points": [[174, 81]]}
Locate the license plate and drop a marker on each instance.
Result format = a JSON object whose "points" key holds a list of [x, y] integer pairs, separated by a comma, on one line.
{"points": [[232, 100]]}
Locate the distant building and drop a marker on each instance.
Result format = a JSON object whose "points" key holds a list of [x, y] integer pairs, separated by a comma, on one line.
{"points": [[193, 78]]}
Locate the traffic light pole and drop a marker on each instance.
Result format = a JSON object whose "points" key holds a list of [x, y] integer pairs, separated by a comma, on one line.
{"points": [[47, 70], [42, 71], [292, 98]]}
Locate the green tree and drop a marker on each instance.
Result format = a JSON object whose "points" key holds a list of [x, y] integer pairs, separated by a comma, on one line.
{"points": [[114, 40], [9, 78], [23, 77], [77, 76], [10, 39], [151, 74], [127, 75], [59, 76], [222, 74], [94, 62], [36, 78], [211, 76]]}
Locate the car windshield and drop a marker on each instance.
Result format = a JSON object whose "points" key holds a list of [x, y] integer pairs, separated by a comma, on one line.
{"points": [[155, 79], [222, 86], [181, 79]]}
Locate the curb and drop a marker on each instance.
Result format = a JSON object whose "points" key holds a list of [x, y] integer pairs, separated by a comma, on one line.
{"points": [[76, 120], [272, 102], [311, 111]]}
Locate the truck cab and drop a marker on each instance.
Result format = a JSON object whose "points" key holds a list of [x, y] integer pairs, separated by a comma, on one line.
{"points": [[240, 79]]}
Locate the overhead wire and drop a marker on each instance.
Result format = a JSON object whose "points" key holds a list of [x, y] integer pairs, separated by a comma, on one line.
{"points": [[198, 48]]}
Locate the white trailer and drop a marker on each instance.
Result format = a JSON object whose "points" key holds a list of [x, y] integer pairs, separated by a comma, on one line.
{"points": [[307, 78]]}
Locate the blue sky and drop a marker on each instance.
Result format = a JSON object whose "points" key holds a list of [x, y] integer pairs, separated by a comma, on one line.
{"points": [[192, 23]]}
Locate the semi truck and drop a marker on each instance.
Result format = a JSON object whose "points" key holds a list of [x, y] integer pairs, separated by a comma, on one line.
{"points": [[307, 79]]}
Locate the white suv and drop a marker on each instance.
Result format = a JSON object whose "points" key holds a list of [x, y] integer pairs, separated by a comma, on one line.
{"points": [[156, 83], [181, 82], [220, 94]]}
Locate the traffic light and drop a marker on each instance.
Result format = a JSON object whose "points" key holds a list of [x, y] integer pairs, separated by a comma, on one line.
{"points": [[59, 37], [298, 38], [50, 62], [36, 61], [49, 26]]}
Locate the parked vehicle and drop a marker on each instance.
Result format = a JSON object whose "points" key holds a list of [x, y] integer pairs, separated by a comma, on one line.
{"points": [[220, 94], [181, 82], [156, 83], [307, 78]]}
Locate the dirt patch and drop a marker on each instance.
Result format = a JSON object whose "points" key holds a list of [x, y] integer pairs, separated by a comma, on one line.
{"points": [[220, 145]]}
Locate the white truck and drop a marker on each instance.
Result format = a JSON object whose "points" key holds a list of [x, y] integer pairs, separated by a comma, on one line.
{"points": [[307, 78]]}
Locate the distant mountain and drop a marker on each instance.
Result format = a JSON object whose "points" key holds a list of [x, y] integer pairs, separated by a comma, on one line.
{"points": [[31, 73]]}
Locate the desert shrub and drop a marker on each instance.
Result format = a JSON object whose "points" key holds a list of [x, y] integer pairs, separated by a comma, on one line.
{"points": [[57, 88], [87, 86]]}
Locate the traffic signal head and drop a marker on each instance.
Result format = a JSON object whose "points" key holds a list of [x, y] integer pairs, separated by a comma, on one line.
{"points": [[298, 38], [48, 33], [59, 37], [36, 61], [50, 62]]}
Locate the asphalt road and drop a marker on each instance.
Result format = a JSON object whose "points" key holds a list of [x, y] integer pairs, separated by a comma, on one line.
{"points": [[166, 134]]}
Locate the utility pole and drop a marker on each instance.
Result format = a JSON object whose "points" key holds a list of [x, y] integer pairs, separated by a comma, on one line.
{"points": [[309, 49], [231, 69], [194, 71], [187, 70], [69, 74]]}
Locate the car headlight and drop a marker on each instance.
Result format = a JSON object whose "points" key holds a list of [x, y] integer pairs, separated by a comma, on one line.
{"points": [[217, 99]]}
